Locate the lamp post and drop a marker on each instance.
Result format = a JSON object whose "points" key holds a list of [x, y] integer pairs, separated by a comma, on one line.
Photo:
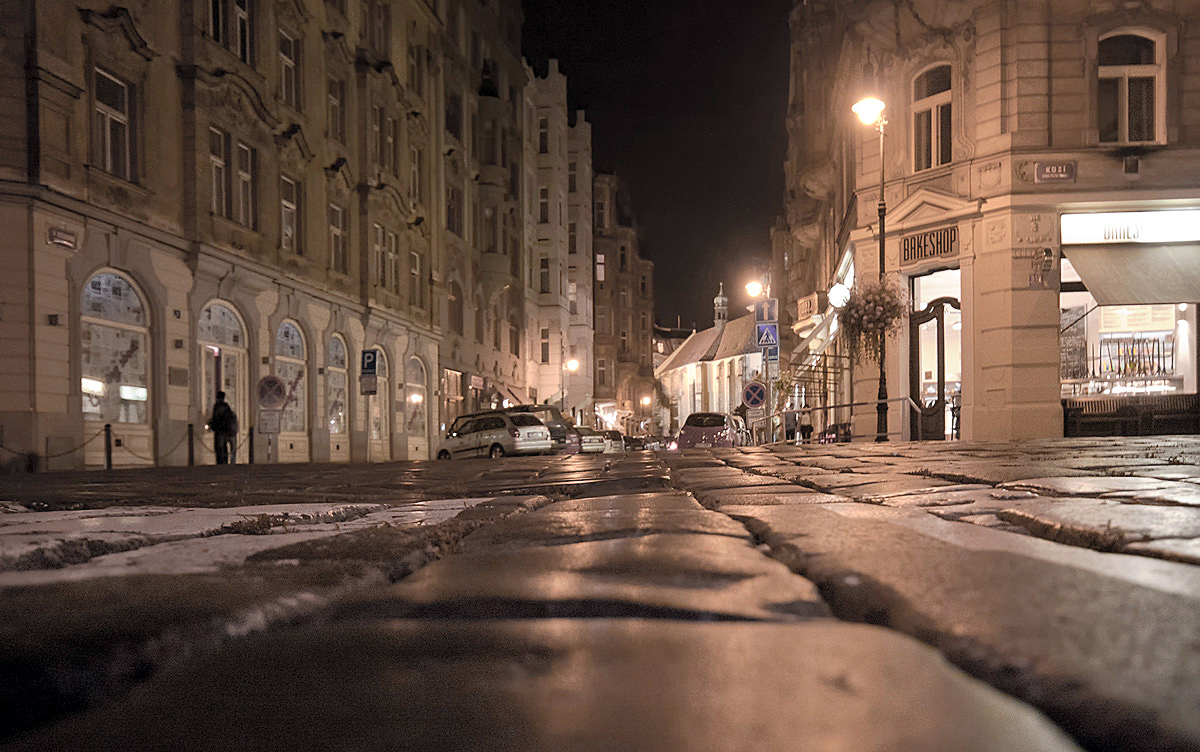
{"points": [[870, 111], [571, 367], [756, 289]]}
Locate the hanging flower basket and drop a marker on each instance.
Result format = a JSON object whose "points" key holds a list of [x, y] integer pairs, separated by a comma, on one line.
{"points": [[875, 311]]}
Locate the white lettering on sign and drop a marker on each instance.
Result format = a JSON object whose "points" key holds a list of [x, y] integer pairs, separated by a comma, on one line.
{"points": [[932, 244], [1181, 226]]}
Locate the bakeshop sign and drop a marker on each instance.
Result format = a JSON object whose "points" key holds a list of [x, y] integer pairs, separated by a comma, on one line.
{"points": [[927, 245]]}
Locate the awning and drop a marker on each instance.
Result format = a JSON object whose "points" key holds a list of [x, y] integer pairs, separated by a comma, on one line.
{"points": [[1138, 274], [808, 355], [510, 395]]}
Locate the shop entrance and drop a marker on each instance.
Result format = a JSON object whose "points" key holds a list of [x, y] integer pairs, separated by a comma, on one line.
{"points": [[935, 357]]}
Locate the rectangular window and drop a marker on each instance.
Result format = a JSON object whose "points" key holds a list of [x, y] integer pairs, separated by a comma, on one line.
{"points": [[391, 145], [289, 79], [416, 159], [454, 116], [601, 216], [339, 259], [544, 275], [379, 29], [416, 79], [514, 339], [392, 262], [545, 346], [216, 20], [544, 205], [337, 110], [488, 136], [602, 372], [454, 210], [572, 171], [572, 239], [114, 125], [573, 297], [243, 32], [247, 210], [376, 141], [218, 158], [289, 202], [599, 267], [416, 290], [543, 136], [603, 322], [379, 246], [490, 230]]}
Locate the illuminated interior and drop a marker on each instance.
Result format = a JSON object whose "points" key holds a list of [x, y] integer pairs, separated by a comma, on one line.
{"points": [[926, 289]]}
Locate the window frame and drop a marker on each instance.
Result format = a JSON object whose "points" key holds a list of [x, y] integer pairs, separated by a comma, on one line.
{"points": [[289, 70], [105, 116], [1123, 73], [289, 209], [940, 134], [339, 253]]}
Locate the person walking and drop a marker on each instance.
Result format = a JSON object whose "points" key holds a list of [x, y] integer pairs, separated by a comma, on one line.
{"points": [[789, 423], [224, 425], [806, 426]]}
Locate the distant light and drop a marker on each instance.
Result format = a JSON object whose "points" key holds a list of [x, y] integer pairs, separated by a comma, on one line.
{"points": [[1182, 307], [572, 365], [416, 398], [869, 110], [93, 387], [839, 295], [134, 393], [755, 288], [646, 401]]}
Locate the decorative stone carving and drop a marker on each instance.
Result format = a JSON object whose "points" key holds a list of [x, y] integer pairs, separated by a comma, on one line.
{"points": [[1024, 170], [1033, 229], [115, 21], [989, 174], [996, 232]]}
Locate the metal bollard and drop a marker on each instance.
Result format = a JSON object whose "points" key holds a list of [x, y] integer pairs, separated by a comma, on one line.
{"points": [[108, 446], [191, 445], [250, 444]]}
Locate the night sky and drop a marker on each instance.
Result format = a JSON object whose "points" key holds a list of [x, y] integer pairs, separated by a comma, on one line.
{"points": [[687, 101]]}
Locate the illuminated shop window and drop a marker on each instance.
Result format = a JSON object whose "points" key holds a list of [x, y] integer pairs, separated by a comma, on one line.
{"points": [[115, 366]]}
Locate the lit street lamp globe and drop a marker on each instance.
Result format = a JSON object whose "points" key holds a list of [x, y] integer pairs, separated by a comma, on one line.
{"points": [[572, 365], [754, 288], [645, 401], [869, 110]]}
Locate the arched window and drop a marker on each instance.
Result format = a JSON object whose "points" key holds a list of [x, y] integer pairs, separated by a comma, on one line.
{"points": [[456, 308], [380, 403], [1130, 96], [416, 410], [115, 378], [335, 387], [932, 118], [289, 366], [224, 358]]}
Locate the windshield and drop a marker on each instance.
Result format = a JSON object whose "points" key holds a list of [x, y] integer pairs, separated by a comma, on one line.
{"points": [[705, 420]]}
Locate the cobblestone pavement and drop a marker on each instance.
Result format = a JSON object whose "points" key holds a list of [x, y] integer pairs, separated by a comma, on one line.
{"points": [[1041, 595]]}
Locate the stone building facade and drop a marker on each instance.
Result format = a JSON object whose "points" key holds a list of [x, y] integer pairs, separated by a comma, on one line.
{"points": [[197, 195], [624, 312], [1037, 180]]}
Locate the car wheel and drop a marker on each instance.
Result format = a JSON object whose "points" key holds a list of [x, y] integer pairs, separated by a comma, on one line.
{"points": [[497, 451], [443, 455]]}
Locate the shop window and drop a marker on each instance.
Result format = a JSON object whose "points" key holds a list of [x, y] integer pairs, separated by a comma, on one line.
{"points": [[290, 366], [416, 410], [336, 380], [1130, 101], [115, 365], [379, 404], [1123, 349], [932, 119]]}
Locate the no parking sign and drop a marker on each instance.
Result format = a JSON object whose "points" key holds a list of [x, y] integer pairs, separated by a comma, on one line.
{"points": [[754, 394]]}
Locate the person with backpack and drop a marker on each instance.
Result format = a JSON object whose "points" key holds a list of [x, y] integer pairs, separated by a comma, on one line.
{"points": [[224, 425]]}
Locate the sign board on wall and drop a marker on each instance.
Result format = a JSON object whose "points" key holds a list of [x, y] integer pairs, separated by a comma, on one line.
{"points": [[1181, 226], [939, 243], [1057, 171], [1137, 318]]}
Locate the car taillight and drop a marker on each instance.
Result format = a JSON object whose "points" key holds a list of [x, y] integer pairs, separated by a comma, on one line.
{"points": [[514, 433]]}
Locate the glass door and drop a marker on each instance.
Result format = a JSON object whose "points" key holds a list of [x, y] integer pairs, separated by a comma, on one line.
{"points": [[935, 352]]}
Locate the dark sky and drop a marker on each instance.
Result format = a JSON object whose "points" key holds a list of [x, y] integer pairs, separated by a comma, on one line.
{"points": [[687, 100]]}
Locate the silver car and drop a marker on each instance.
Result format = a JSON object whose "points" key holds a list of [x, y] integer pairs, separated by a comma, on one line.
{"points": [[495, 434]]}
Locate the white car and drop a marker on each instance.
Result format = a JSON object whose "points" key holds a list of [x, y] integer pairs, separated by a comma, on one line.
{"points": [[591, 441], [495, 434], [615, 442]]}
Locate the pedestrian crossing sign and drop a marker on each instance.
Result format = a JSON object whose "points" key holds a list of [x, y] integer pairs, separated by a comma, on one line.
{"points": [[768, 335]]}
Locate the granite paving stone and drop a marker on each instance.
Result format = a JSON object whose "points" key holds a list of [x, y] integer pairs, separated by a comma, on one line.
{"points": [[1185, 550], [1086, 486], [1102, 523], [584, 685]]}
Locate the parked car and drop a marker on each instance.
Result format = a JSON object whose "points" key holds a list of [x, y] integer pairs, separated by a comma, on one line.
{"points": [[741, 432], [563, 435], [615, 442], [634, 443], [703, 430], [495, 434], [591, 441]]}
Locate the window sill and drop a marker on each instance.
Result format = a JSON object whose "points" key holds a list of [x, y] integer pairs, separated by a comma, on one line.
{"points": [[119, 190]]}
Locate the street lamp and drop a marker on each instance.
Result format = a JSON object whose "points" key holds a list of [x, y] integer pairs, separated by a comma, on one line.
{"points": [[754, 288], [870, 111], [572, 366]]}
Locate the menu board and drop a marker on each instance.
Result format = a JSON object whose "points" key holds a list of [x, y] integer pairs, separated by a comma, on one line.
{"points": [[1143, 318]]}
